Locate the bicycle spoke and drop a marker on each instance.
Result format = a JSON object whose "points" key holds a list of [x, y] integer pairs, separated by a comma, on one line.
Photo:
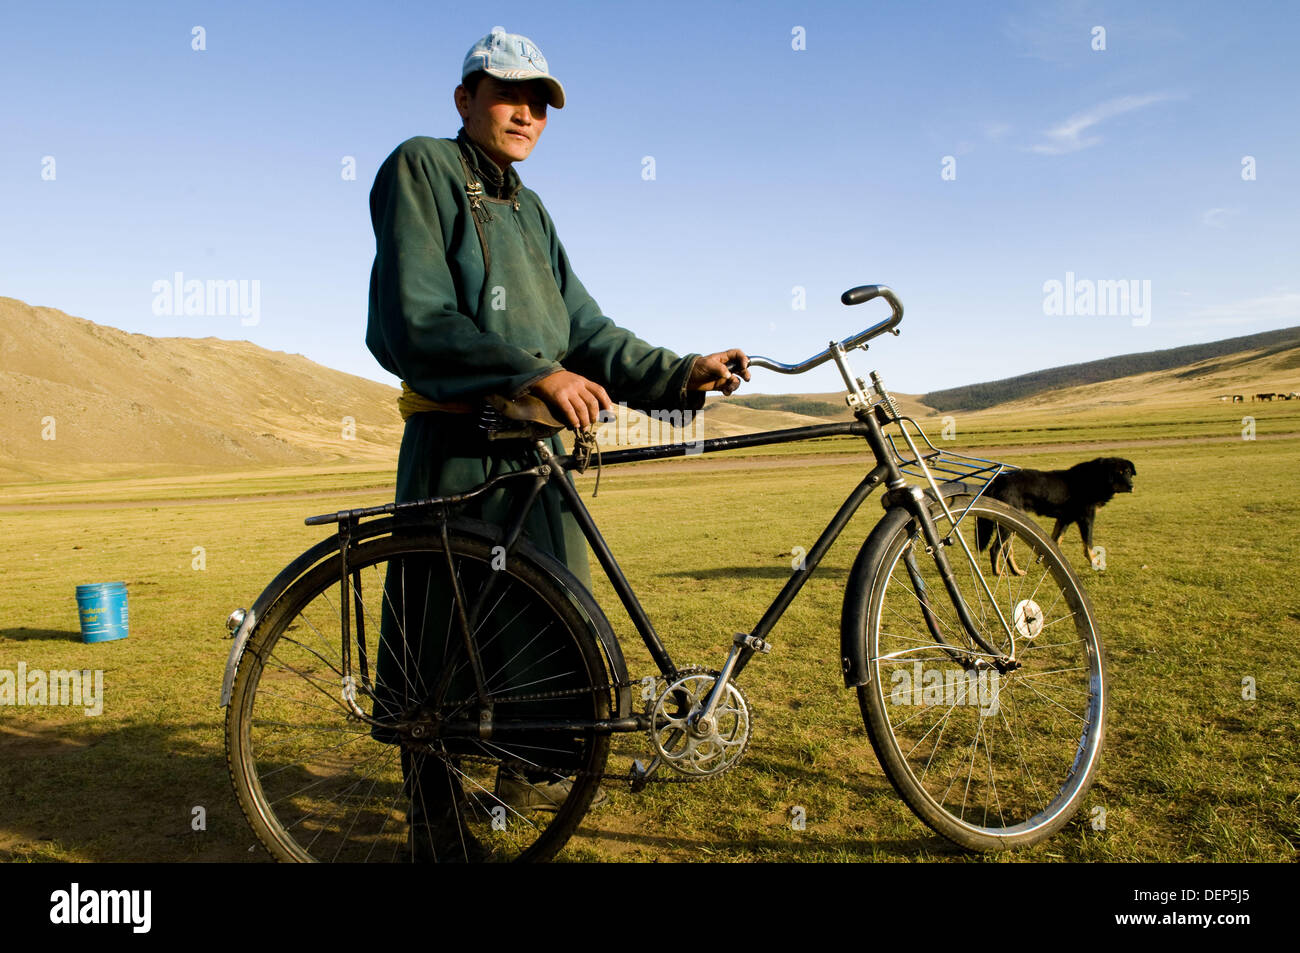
{"points": [[317, 783], [984, 750]]}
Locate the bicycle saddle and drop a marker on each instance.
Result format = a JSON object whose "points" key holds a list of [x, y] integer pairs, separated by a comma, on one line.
{"points": [[525, 417]]}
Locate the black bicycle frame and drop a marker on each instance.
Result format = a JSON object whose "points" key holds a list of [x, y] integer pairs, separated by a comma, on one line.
{"points": [[886, 471], [555, 468]]}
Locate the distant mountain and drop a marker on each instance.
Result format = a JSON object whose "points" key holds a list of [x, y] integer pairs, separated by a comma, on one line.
{"points": [[828, 407], [979, 396], [81, 400]]}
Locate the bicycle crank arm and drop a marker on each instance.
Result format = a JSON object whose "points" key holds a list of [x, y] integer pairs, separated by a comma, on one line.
{"points": [[640, 772], [740, 644]]}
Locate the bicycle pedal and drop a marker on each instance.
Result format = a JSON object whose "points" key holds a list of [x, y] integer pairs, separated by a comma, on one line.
{"points": [[640, 773]]}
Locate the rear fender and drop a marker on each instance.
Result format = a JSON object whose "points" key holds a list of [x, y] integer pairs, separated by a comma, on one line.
{"points": [[328, 549]]}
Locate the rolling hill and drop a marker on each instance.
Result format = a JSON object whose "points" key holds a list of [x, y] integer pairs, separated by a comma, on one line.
{"points": [[84, 401], [1220, 357], [81, 400]]}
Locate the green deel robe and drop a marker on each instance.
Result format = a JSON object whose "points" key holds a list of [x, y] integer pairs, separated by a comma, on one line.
{"points": [[456, 328]]}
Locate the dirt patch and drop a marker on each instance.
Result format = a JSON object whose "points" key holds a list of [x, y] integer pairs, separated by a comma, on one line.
{"points": [[171, 502], [991, 453]]}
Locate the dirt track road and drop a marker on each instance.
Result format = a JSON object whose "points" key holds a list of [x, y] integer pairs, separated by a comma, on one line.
{"points": [[355, 498]]}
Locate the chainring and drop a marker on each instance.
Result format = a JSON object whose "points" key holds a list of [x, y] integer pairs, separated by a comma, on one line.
{"points": [[689, 746]]}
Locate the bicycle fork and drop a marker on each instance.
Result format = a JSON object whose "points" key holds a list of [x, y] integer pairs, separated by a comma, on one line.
{"points": [[934, 547]]}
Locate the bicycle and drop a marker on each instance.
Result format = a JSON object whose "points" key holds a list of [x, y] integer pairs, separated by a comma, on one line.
{"points": [[983, 694]]}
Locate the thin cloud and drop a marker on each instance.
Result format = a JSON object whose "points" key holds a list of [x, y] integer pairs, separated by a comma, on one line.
{"points": [[1061, 33], [993, 131], [1072, 135], [1055, 33], [975, 134], [1280, 306], [1214, 217]]}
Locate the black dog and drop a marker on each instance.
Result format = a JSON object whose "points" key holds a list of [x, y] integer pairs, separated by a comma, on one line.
{"points": [[1068, 496]]}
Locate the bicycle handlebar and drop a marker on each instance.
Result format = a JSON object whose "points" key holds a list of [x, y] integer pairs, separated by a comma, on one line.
{"points": [[858, 295]]}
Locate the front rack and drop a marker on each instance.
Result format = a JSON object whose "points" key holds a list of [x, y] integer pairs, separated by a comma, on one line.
{"points": [[958, 467], [936, 466]]}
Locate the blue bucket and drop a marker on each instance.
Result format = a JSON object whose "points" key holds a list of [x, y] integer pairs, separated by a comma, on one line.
{"points": [[102, 607]]}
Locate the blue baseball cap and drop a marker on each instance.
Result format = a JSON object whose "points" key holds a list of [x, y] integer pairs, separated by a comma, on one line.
{"points": [[514, 59]]}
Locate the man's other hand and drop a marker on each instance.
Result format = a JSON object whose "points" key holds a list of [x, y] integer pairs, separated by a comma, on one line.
{"points": [[711, 372], [573, 398]]}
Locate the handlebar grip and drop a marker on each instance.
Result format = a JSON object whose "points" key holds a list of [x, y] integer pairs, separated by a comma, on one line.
{"points": [[853, 296], [863, 293], [866, 293]]}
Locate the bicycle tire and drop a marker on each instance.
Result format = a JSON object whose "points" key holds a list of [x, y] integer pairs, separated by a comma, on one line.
{"points": [[351, 793], [988, 759]]}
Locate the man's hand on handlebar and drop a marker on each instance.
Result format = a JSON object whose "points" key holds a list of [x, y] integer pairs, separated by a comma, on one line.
{"points": [[578, 401], [719, 371], [574, 399]]}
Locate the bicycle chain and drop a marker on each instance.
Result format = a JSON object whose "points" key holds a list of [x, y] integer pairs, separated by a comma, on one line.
{"points": [[562, 692], [570, 772]]}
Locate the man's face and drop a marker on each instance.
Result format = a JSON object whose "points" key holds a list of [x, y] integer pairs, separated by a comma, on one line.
{"points": [[505, 119]]}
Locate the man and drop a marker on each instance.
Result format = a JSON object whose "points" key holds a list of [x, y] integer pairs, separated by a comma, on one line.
{"points": [[472, 294]]}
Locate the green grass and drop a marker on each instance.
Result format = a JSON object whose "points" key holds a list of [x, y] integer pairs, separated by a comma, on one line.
{"points": [[1198, 595]]}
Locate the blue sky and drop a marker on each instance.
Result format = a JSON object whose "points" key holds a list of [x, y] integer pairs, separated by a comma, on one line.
{"points": [[775, 168]]}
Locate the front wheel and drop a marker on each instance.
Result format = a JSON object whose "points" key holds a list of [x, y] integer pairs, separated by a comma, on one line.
{"points": [[991, 749], [319, 784]]}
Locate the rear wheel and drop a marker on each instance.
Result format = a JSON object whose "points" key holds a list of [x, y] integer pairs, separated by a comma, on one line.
{"points": [[989, 758], [319, 784]]}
